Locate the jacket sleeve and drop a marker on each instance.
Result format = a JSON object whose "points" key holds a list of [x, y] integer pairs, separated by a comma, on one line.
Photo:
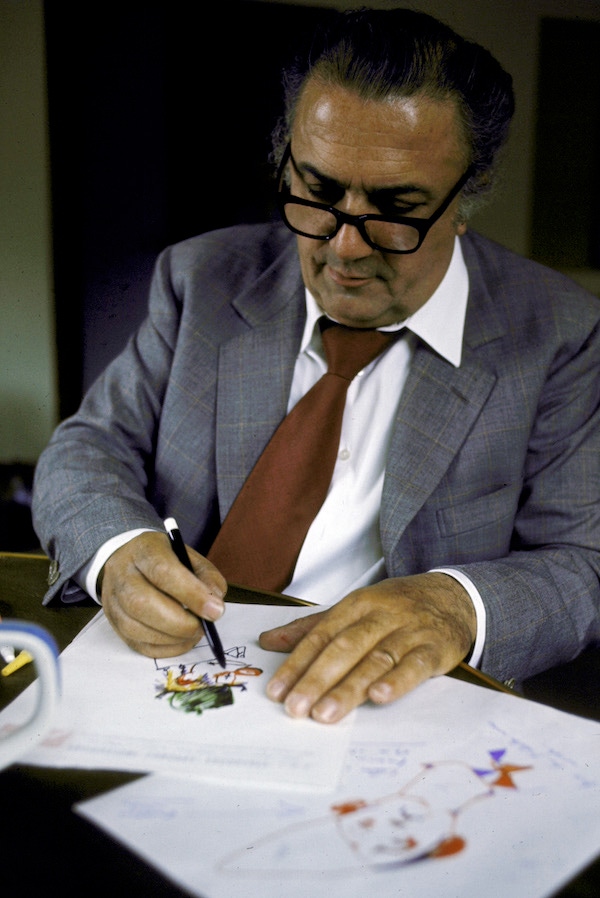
{"points": [[543, 598], [91, 481]]}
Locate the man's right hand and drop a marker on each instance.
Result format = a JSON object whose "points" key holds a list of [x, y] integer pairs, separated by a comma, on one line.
{"points": [[153, 602]]}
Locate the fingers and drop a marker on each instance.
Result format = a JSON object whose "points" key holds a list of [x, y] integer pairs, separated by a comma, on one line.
{"points": [[285, 638], [326, 682], [377, 644], [333, 683], [154, 602]]}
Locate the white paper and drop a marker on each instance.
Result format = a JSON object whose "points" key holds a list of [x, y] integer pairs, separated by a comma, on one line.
{"points": [[454, 790], [119, 711]]}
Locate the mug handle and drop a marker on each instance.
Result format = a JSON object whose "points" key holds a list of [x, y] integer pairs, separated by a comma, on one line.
{"points": [[42, 647]]}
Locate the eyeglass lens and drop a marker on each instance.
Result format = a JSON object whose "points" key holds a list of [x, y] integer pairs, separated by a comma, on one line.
{"points": [[320, 223]]}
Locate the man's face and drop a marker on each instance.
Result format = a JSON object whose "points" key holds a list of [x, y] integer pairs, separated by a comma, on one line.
{"points": [[394, 157]]}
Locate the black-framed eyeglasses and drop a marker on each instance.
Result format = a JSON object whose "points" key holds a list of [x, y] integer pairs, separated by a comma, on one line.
{"points": [[401, 234]]}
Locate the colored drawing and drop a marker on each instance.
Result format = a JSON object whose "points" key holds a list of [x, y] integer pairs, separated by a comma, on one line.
{"points": [[196, 686], [420, 822]]}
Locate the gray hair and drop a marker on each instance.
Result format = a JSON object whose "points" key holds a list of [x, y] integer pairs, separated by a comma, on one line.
{"points": [[402, 53]]}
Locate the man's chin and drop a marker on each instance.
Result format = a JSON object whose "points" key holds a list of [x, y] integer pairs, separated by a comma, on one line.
{"points": [[356, 312]]}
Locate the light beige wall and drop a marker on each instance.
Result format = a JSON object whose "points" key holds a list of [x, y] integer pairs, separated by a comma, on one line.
{"points": [[28, 392]]}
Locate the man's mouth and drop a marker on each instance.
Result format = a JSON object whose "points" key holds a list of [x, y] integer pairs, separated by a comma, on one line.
{"points": [[348, 279]]}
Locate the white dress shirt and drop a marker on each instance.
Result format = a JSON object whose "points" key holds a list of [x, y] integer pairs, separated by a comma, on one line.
{"points": [[342, 550]]}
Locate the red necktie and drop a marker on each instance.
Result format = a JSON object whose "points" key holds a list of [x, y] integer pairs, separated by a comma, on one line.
{"points": [[260, 539]]}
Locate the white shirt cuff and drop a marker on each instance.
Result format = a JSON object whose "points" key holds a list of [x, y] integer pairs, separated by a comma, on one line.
{"points": [[477, 650], [87, 576]]}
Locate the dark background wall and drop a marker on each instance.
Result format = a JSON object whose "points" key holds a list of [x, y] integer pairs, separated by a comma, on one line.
{"points": [[159, 125], [566, 187], [159, 120], [160, 117]]}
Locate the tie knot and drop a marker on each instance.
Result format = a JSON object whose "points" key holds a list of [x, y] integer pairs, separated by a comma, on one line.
{"points": [[349, 349]]}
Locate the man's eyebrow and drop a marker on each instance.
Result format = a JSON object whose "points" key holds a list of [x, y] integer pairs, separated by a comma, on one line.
{"points": [[390, 193], [382, 193]]}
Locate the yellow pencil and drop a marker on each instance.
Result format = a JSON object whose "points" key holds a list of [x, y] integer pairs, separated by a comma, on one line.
{"points": [[22, 658]]}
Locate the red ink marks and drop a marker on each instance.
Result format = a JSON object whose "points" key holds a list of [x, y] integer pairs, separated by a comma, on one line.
{"points": [[348, 807], [504, 775], [451, 845]]}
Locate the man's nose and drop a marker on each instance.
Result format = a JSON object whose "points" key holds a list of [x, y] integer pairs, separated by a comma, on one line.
{"points": [[348, 243]]}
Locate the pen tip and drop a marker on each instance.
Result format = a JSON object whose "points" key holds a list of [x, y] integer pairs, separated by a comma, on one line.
{"points": [[170, 524]]}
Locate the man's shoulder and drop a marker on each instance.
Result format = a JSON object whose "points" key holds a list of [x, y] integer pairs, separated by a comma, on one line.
{"points": [[506, 275], [250, 248]]}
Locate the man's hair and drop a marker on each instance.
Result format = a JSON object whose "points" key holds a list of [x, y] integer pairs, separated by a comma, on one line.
{"points": [[401, 53]]}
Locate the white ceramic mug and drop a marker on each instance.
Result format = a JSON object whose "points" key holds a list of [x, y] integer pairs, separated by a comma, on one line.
{"points": [[25, 636]]}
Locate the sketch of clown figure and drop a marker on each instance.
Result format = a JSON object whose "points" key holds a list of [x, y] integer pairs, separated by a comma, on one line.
{"points": [[419, 822], [190, 684]]}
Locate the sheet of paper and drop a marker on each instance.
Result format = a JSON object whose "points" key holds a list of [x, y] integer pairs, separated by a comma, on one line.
{"points": [[184, 715], [454, 790]]}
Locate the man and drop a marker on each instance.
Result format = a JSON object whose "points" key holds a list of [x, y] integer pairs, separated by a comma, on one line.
{"points": [[462, 519]]}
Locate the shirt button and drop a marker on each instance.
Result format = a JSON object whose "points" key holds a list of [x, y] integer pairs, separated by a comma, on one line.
{"points": [[344, 454]]}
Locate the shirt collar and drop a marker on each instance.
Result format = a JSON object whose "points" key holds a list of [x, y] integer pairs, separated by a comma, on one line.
{"points": [[439, 322]]}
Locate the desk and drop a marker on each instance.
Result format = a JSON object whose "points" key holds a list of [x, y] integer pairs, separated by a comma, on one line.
{"points": [[45, 844]]}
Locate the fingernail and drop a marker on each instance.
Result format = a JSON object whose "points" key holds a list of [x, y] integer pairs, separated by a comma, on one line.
{"points": [[213, 609], [275, 690], [380, 693], [297, 706], [326, 711]]}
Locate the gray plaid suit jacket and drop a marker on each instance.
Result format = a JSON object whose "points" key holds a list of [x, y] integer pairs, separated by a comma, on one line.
{"points": [[494, 467]]}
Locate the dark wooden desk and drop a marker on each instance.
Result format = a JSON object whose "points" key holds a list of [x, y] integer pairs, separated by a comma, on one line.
{"points": [[45, 845]]}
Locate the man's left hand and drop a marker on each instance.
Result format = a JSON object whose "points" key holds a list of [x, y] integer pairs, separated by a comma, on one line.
{"points": [[377, 644]]}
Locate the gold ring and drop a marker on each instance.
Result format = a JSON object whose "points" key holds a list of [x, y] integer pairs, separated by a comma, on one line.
{"points": [[391, 658]]}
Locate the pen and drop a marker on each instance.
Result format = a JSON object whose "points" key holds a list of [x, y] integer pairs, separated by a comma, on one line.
{"points": [[181, 552]]}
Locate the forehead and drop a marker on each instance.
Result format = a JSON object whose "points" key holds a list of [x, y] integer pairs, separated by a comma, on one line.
{"points": [[379, 142]]}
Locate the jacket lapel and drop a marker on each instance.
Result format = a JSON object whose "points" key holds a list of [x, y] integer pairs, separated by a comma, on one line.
{"points": [[438, 407], [255, 374]]}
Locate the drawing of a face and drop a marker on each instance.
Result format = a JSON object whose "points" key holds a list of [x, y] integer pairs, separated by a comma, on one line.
{"points": [[396, 829], [418, 822], [192, 686]]}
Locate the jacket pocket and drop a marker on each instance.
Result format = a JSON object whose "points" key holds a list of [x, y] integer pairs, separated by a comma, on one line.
{"points": [[481, 512]]}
